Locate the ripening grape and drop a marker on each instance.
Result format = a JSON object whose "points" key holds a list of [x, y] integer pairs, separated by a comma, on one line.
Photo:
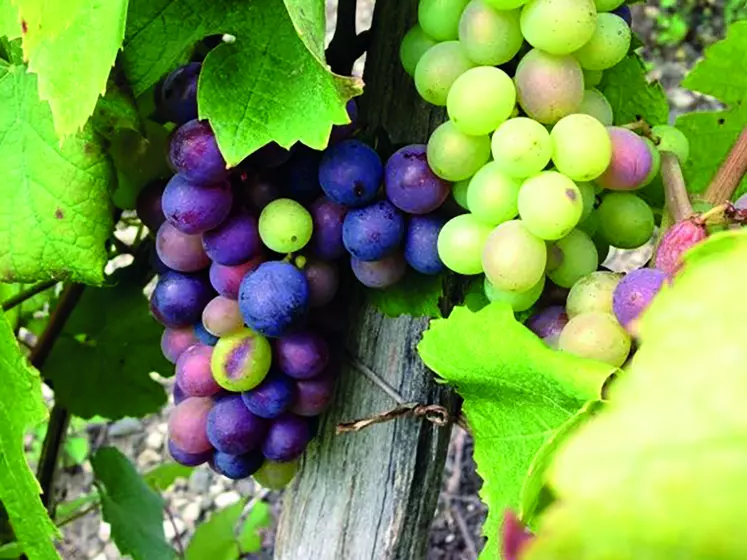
{"points": [[505, 4], [549, 87], [241, 360], [232, 429], [459, 191], [521, 147], [608, 46], [300, 176], [380, 274], [372, 232], [177, 96], [222, 317], [180, 251], [410, 184], [597, 336], [204, 336], [513, 258], [438, 69], [558, 26], [461, 243], [455, 156], [493, 196], [276, 475], [178, 299], [350, 173], [413, 47], [675, 242], [272, 397], [188, 425], [671, 139], [580, 258], [324, 280], [519, 301], [625, 220], [489, 37], [194, 153], [582, 148], [655, 170], [596, 105], [148, 205], [607, 5], [421, 243], [193, 374], [550, 205], [175, 341], [592, 293], [301, 355], [287, 438], [440, 18], [589, 198], [313, 396], [592, 78], [635, 292], [233, 242], [227, 279], [632, 161], [236, 467], [188, 459], [326, 239], [548, 324], [285, 226]]}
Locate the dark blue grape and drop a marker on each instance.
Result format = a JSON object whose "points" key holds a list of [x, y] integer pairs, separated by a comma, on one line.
{"points": [[271, 398], [411, 185], [234, 242], [421, 244], [193, 208], [268, 156], [372, 232], [350, 173], [625, 13], [188, 459], [231, 428], [286, 438], [236, 467], [301, 355], [194, 153], [301, 175], [258, 189], [177, 101], [227, 279], [341, 132], [204, 336], [148, 205], [178, 299], [326, 239]]}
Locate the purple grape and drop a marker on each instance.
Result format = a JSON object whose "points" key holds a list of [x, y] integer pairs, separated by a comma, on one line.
{"points": [[382, 273], [410, 184], [227, 279], [231, 428], [203, 335], [234, 242], [155, 261], [268, 156], [178, 394], [180, 251], [193, 208], [326, 239], [372, 232], [236, 467], [421, 244], [301, 355], [177, 100], [313, 396], [350, 173], [148, 205], [634, 293], [271, 398], [187, 425], [188, 459], [548, 323], [193, 373], [301, 176], [625, 13], [341, 132], [274, 298], [175, 341], [178, 299], [324, 280], [257, 190], [194, 153], [287, 438]]}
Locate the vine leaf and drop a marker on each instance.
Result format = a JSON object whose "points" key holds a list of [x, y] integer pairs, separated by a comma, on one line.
{"points": [[416, 295], [631, 94], [216, 538], [164, 475], [517, 392], [20, 409], [659, 473], [722, 74], [10, 21]]}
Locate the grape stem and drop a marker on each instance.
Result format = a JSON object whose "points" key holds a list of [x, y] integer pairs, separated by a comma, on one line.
{"points": [[675, 191], [346, 46], [730, 174], [640, 126]]}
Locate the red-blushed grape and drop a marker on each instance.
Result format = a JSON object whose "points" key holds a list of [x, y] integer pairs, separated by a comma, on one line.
{"points": [[193, 373], [188, 425], [222, 316], [175, 341]]}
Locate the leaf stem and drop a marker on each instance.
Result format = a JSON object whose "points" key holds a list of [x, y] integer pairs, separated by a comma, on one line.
{"points": [[18, 299], [730, 174], [78, 514], [675, 191]]}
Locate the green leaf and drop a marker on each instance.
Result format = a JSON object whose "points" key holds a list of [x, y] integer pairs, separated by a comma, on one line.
{"points": [[21, 407], [251, 90], [517, 392], [76, 450], [133, 509], [55, 216], [165, 474], [722, 74], [416, 295], [659, 473], [93, 30], [11, 550], [101, 363], [216, 538], [632, 96], [66, 510], [10, 20]]}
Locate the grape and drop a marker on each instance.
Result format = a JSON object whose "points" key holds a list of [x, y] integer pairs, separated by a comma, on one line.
{"points": [[410, 184], [459, 192], [222, 317], [272, 397], [625, 220], [592, 293], [148, 205], [519, 301], [421, 243], [269, 156], [301, 355], [582, 148], [592, 78], [178, 95], [608, 46], [625, 13], [258, 189], [313, 396], [193, 373], [676, 242], [241, 360], [326, 239], [194, 153], [175, 341], [741, 202], [480, 100], [440, 18], [607, 5], [489, 37], [188, 459], [455, 156], [550, 205], [548, 324], [438, 69], [188, 425], [589, 198], [461, 242], [514, 537], [324, 280], [231, 428], [513, 258], [286, 438], [631, 164], [596, 105], [227, 279], [285, 226], [193, 208], [178, 299], [603, 248], [344, 131], [558, 26], [635, 292], [505, 4], [180, 251], [493, 196], [301, 175], [178, 394], [203, 336], [672, 140], [380, 274], [597, 336], [580, 258], [234, 242], [274, 298], [655, 162], [371, 233], [521, 147], [236, 467], [350, 173], [276, 475], [549, 87], [413, 47], [590, 224]]}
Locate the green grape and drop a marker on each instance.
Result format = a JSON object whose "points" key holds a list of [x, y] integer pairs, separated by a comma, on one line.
{"points": [[596, 105], [597, 336], [625, 220], [521, 147], [592, 78], [672, 140], [514, 259], [440, 18], [455, 156], [608, 46], [558, 26], [608, 5], [461, 242], [655, 162], [285, 226], [589, 198], [582, 148], [550, 205], [489, 37], [506, 4], [603, 248], [580, 258], [414, 45], [480, 100], [276, 476], [592, 293], [460, 192], [438, 69], [493, 196], [589, 225], [519, 301]]}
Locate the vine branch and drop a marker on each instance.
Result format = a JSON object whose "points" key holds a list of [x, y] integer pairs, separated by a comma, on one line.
{"points": [[18, 299], [730, 173], [346, 46], [675, 190]]}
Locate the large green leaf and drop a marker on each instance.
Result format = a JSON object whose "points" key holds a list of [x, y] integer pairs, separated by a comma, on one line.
{"points": [[417, 295], [517, 392], [217, 538], [164, 475], [55, 215], [21, 407], [10, 24]]}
